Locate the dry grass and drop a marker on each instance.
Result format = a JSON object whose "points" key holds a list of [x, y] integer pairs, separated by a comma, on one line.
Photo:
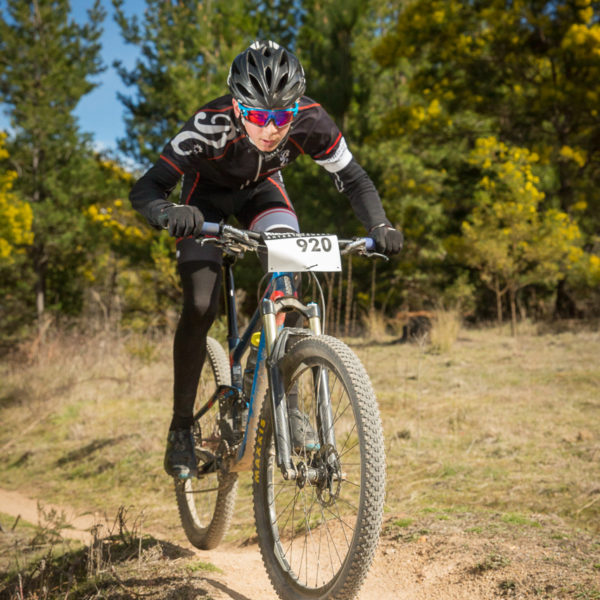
{"points": [[479, 422], [497, 424], [445, 330], [37, 562]]}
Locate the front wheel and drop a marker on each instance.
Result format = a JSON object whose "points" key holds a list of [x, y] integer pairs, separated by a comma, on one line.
{"points": [[206, 504], [318, 533]]}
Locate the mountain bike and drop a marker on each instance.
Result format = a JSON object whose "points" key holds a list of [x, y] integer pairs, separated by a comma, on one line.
{"points": [[317, 506]]}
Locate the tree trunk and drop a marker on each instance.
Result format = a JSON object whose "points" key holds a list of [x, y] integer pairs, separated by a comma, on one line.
{"points": [[40, 261], [373, 287], [338, 311], [498, 301], [513, 311], [329, 311], [564, 307]]}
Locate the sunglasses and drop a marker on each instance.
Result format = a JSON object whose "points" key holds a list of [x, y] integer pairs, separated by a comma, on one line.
{"points": [[261, 116]]}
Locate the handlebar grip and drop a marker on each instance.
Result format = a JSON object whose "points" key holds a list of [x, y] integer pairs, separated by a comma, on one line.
{"points": [[369, 243]]}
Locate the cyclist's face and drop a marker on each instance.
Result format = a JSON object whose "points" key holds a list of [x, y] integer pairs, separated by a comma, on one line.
{"points": [[265, 138]]}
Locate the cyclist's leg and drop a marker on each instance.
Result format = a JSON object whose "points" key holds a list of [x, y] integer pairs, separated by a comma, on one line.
{"points": [[269, 209], [200, 281], [199, 269], [200, 273]]}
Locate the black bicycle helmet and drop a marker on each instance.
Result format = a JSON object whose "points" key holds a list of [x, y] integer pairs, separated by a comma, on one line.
{"points": [[266, 75]]}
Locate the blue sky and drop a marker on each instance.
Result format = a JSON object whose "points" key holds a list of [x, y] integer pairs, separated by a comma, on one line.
{"points": [[100, 113]]}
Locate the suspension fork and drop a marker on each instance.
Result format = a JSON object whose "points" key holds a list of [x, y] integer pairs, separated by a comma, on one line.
{"points": [[281, 428], [276, 341], [321, 384]]}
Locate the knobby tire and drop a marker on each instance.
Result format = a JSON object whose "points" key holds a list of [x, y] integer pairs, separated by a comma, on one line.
{"points": [[206, 504], [318, 540]]}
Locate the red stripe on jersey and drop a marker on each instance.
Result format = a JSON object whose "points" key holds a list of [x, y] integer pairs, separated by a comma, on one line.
{"points": [[172, 164], [287, 200], [230, 107], [309, 106], [337, 139], [237, 139], [296, 144], [196, 180]]}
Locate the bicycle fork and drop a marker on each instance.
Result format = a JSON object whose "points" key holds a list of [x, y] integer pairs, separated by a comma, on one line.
{"points": [[275, 349]]}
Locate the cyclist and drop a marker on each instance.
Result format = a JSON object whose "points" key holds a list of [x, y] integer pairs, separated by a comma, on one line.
{"points": [[230, 154]]}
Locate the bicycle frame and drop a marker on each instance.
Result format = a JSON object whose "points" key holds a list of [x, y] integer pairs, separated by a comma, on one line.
{"points": [[270, 316], [318, 504]]}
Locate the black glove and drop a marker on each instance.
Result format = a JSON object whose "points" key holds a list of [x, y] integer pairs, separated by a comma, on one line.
{"points": [[387, 239], [182, 220]]}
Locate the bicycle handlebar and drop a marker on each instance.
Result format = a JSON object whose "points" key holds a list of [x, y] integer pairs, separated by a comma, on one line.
{"points": [[251, 239]]}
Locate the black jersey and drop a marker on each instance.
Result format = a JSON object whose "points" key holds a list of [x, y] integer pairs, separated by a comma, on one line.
{"points": [[213, 148]]}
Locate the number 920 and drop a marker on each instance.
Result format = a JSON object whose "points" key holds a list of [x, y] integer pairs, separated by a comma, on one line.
{"points": [[314, 244]]}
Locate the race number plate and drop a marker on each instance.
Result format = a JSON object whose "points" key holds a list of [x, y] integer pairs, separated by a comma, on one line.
{"points": [[303, 252]]}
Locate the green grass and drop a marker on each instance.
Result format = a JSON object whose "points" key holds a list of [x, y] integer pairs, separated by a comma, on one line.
{"points": [[516, 519], [201, 566], [402, 522]]}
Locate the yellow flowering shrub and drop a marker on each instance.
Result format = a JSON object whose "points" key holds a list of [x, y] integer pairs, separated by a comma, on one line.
{"points": [[16, 216], [119, 221], [509, 237]]}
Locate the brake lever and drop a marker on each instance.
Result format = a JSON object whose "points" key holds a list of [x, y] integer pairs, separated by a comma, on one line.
{"points": [[209, 240], [237, 235], [374, 255], [354, 245]]}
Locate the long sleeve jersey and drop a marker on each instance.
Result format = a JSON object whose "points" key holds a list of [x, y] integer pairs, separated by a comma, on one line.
{"points": [[212, 148]]}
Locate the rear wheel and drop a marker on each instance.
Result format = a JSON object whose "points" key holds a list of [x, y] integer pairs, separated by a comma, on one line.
{"points": [[318, 534], [206, 504]]}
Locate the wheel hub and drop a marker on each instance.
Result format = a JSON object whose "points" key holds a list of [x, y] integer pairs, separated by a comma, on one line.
{"points": [[324, 473]]}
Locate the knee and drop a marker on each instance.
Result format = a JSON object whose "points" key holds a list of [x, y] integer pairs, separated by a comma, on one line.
{"points": [[200, 308]]}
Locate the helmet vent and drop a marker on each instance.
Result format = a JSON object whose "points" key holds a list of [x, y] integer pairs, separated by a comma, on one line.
{"points": [[256, 85], [268, 76], [243, 90], [282, 82]]}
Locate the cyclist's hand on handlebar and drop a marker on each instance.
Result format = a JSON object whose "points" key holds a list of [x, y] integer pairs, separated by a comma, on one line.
{"points": [[388, 240], [183, 220]]}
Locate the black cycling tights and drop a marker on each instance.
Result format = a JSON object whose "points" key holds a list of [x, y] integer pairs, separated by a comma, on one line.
{"points": [[201, 283]]}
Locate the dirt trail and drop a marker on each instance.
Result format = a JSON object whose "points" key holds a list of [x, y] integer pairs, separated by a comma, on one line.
{"points": [[435, 560], [245, 578]]}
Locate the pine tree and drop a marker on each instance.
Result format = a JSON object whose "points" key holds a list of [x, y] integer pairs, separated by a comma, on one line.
{"points": [[46, 62], [186, 50]]}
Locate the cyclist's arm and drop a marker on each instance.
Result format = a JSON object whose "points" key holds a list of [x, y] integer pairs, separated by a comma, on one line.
{"points": [[149, 194], [329, 150], [360, 189]]}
